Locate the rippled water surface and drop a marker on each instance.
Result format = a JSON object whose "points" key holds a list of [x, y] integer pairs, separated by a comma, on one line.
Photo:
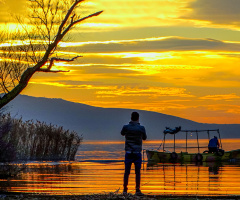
{"points": [[99, 168]]}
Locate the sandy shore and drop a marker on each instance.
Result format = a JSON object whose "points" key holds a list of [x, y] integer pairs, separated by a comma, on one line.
{"points": [[113, 196]]}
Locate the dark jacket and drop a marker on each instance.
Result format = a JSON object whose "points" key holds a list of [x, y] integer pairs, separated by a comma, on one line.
{"points": [[213, 142], [134, 134]]}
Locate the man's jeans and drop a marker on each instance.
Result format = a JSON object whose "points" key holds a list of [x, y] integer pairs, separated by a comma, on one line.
{"points": [[130, 158]]}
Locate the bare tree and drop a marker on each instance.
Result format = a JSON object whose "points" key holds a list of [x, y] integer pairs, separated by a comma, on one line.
{"points": [[48, 23]]}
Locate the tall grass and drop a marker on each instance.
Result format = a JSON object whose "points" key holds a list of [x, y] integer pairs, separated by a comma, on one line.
{"points": [[31, 140]]}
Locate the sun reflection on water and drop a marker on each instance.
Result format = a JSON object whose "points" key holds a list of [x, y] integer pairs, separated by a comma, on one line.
{"points": [[99, 168]]}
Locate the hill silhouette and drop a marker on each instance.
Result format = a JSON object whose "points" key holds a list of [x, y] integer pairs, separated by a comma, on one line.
{"points": [[96, 123]]}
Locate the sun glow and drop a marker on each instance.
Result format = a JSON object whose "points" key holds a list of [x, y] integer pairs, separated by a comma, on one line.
{"points": [[72, 44], [100, 25], [169, 56]]}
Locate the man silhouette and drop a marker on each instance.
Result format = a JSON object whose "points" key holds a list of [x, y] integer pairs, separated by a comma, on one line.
{"points": [[134, 134], [213, 145]]}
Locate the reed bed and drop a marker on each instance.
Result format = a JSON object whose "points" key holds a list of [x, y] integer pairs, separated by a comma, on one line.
{"points": [[29, 140]]}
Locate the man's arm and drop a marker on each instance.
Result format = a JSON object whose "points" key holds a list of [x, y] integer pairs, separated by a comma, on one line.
{"points": [[144, 137], [123, 131]]}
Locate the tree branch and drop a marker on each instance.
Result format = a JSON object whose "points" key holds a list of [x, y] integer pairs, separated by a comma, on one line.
{"points": [[48, 69], [66, 23], [63, 59], [52, 71], [66, 18], [79, 20]]}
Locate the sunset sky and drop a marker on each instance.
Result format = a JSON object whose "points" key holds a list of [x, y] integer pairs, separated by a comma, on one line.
{"points": [[177, 57]]}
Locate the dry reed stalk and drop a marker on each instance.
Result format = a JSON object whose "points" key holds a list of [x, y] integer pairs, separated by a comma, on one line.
{"points": [[31, 140]]}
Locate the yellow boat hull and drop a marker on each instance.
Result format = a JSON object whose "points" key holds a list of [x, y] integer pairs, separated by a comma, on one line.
{"points": [[165, 157]]}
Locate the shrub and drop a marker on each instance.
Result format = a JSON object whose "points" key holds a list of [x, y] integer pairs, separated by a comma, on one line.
{"points": [[31, 140]]}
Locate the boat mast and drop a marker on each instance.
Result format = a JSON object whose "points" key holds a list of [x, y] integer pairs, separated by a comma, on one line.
{"points": [[186, 140], [219, 138], [164, 142], [174, 142], [197, 141]]}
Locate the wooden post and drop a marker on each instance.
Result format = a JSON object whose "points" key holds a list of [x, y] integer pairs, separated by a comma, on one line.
{"points": [[219, 138], [174, 142], [186, 140], [197, 140], [164, 142]]}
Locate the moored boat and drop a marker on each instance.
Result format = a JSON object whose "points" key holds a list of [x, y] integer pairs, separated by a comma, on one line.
{"points": [[165, 156]]}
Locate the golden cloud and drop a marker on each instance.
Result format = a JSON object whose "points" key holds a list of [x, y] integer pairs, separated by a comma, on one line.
{"points": [[226, 108], [220, 97], [68, 84], [151, 92], [141, 13]]}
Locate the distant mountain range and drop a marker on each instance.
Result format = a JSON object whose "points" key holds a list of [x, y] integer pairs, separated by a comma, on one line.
{"points": [[96, 123]]}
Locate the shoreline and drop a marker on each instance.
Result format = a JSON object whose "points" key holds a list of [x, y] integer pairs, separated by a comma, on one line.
{"points": [[109, 196]]}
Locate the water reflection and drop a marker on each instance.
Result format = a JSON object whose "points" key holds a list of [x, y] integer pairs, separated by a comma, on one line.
{"points": [[213, 168], [86, 178], [39, 177], [99, 168], [196, 178]]}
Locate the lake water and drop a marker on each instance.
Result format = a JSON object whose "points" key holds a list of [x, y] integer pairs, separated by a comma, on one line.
{"points": [[99, 168]]}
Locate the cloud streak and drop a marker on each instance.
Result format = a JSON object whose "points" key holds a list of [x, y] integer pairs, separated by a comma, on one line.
{"points": [[178, 57], [154, 45], [223, 12], [151, 92], [225, 97]]}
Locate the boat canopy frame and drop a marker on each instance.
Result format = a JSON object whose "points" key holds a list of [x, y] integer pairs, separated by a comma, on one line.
{"points": [[193, 131]]}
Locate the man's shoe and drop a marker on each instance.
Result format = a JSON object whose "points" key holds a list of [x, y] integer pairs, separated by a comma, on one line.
{"points": [[139, 193], [125, 191]]}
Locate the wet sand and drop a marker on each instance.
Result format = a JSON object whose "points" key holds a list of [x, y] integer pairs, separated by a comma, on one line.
{"points": [[109, 196]]}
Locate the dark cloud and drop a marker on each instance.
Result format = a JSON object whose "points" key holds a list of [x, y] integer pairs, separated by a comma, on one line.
{"points": [[101, 69], [216, 11], [107, 70], [71, 82], [167, 44], [231, 55]]}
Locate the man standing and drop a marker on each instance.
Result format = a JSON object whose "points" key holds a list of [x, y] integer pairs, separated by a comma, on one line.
{"points": [[134, 134]]}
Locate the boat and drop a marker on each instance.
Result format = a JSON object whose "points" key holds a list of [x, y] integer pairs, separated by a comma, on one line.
{"points": [[201, 154]]}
